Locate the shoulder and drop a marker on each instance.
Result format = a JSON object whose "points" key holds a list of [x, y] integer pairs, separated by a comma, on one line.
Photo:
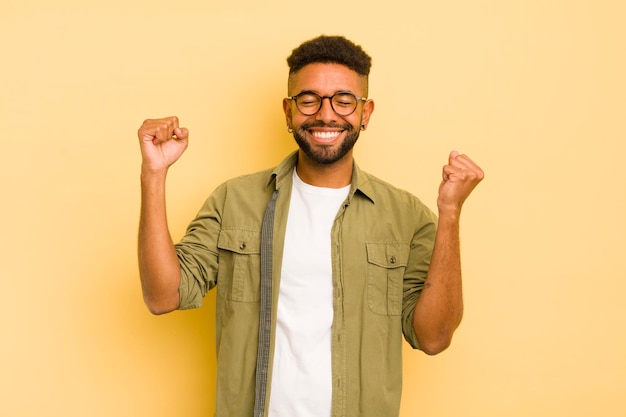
{"points": [[267, 179], [385, 192], [399, 211], [245, 189], [254, 178]]}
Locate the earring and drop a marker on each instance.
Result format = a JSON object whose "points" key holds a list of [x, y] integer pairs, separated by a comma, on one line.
{"points": [[362, 127], [289, 129]]}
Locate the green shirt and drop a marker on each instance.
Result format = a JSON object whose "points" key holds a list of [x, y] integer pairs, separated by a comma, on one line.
{"points": [[381, 242]]}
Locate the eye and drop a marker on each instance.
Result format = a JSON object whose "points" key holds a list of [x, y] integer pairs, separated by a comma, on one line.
{"points": [[307, 100], [344, 100]]}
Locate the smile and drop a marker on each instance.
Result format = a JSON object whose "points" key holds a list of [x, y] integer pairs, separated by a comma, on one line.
{"points": [[326, 136]]}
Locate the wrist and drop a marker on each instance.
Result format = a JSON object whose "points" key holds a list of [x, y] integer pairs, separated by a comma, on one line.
{"points": [[450, 214], [150, 171], [152, 176]]}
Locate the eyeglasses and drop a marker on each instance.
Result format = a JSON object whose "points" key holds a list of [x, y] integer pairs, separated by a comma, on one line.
{"points": [[342, 102]]}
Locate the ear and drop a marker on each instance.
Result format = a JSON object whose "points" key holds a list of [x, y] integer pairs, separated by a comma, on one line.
{"points": [[368, 109], [287, 111]]}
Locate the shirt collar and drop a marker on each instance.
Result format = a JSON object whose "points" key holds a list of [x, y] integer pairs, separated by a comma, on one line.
{"points": [[281, 176]]}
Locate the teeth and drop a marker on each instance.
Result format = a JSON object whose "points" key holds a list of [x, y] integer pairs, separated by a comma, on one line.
{"points": [[326, 135]]}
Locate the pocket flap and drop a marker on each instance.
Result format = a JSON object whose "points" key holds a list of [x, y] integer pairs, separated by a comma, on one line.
{"points": [[388, 255], [240, 241]]}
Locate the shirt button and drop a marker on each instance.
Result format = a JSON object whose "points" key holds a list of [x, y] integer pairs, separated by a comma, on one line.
{"points": [[392, 259], [242, 246]]}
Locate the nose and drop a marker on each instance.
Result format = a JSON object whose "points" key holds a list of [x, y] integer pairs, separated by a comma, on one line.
{"points": [[326, 111]]}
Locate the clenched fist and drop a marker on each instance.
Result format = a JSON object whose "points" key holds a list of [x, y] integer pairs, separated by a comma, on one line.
{"points": [[460, 176], [162, 142]]}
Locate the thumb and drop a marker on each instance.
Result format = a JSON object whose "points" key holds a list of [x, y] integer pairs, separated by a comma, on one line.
{"points": [[452, 156], [181, 133]]}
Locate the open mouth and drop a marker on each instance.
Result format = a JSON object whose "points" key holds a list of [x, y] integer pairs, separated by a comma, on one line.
{"points": [[325, 136]]}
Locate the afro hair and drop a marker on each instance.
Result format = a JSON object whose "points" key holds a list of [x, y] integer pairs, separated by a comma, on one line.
{"points": [[330, 49]]}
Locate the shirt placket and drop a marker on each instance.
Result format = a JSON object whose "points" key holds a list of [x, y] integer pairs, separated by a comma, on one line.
{"points": [[338, 344]]}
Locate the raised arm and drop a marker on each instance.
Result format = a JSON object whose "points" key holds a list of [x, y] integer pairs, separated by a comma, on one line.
{"points": [[439, 309], [162, 142]]}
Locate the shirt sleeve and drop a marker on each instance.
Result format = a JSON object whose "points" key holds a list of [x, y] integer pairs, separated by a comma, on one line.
{"points": [[197, 253], [417, 268]]}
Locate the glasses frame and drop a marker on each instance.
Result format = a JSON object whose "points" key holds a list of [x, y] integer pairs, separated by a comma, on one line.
{"points": [[330, 99]]}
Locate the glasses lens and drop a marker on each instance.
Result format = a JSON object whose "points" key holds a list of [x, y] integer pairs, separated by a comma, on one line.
{"points": [[308, 103], [344, 103]]}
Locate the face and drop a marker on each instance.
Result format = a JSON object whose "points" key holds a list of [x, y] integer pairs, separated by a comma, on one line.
{"points": [[326, 137]]}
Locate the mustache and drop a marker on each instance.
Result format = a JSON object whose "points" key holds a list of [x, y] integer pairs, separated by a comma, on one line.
{"points": [[319, 123]]}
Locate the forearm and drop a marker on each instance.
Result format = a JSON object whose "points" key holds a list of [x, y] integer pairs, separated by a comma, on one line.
{"points": [[439, 309], [158, 264]]}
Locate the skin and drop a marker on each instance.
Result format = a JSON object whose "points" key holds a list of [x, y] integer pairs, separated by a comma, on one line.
{"points": [[439, 309], [158, 264], [326, 80]]}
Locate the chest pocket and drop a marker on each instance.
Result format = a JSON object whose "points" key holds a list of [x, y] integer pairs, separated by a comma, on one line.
{"points": [[385, 271], [238, 277]]}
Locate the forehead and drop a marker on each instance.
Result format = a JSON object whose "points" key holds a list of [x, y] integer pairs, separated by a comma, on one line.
{"points": [[327, 79]]}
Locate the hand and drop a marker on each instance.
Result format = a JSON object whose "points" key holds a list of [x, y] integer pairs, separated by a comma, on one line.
{"points": [[162, 142], [460, 177]]}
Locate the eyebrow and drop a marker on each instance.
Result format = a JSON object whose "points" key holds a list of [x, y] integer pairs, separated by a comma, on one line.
{"points": [[317, 93]]}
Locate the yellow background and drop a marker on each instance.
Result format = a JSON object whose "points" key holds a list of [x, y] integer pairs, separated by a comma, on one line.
{"points": [[534, 91]]}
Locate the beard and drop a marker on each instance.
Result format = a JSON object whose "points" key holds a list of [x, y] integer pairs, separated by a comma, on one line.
{"points": [[326, 155]]}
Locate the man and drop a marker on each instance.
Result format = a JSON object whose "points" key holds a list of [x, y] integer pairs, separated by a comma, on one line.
{"points": [[320, 267]]}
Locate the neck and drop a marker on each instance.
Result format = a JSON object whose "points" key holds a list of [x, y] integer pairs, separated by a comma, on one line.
{"points": [[335, 175]]}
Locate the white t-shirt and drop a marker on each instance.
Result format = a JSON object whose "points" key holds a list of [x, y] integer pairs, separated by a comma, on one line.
{"points": [[301, 377]]}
